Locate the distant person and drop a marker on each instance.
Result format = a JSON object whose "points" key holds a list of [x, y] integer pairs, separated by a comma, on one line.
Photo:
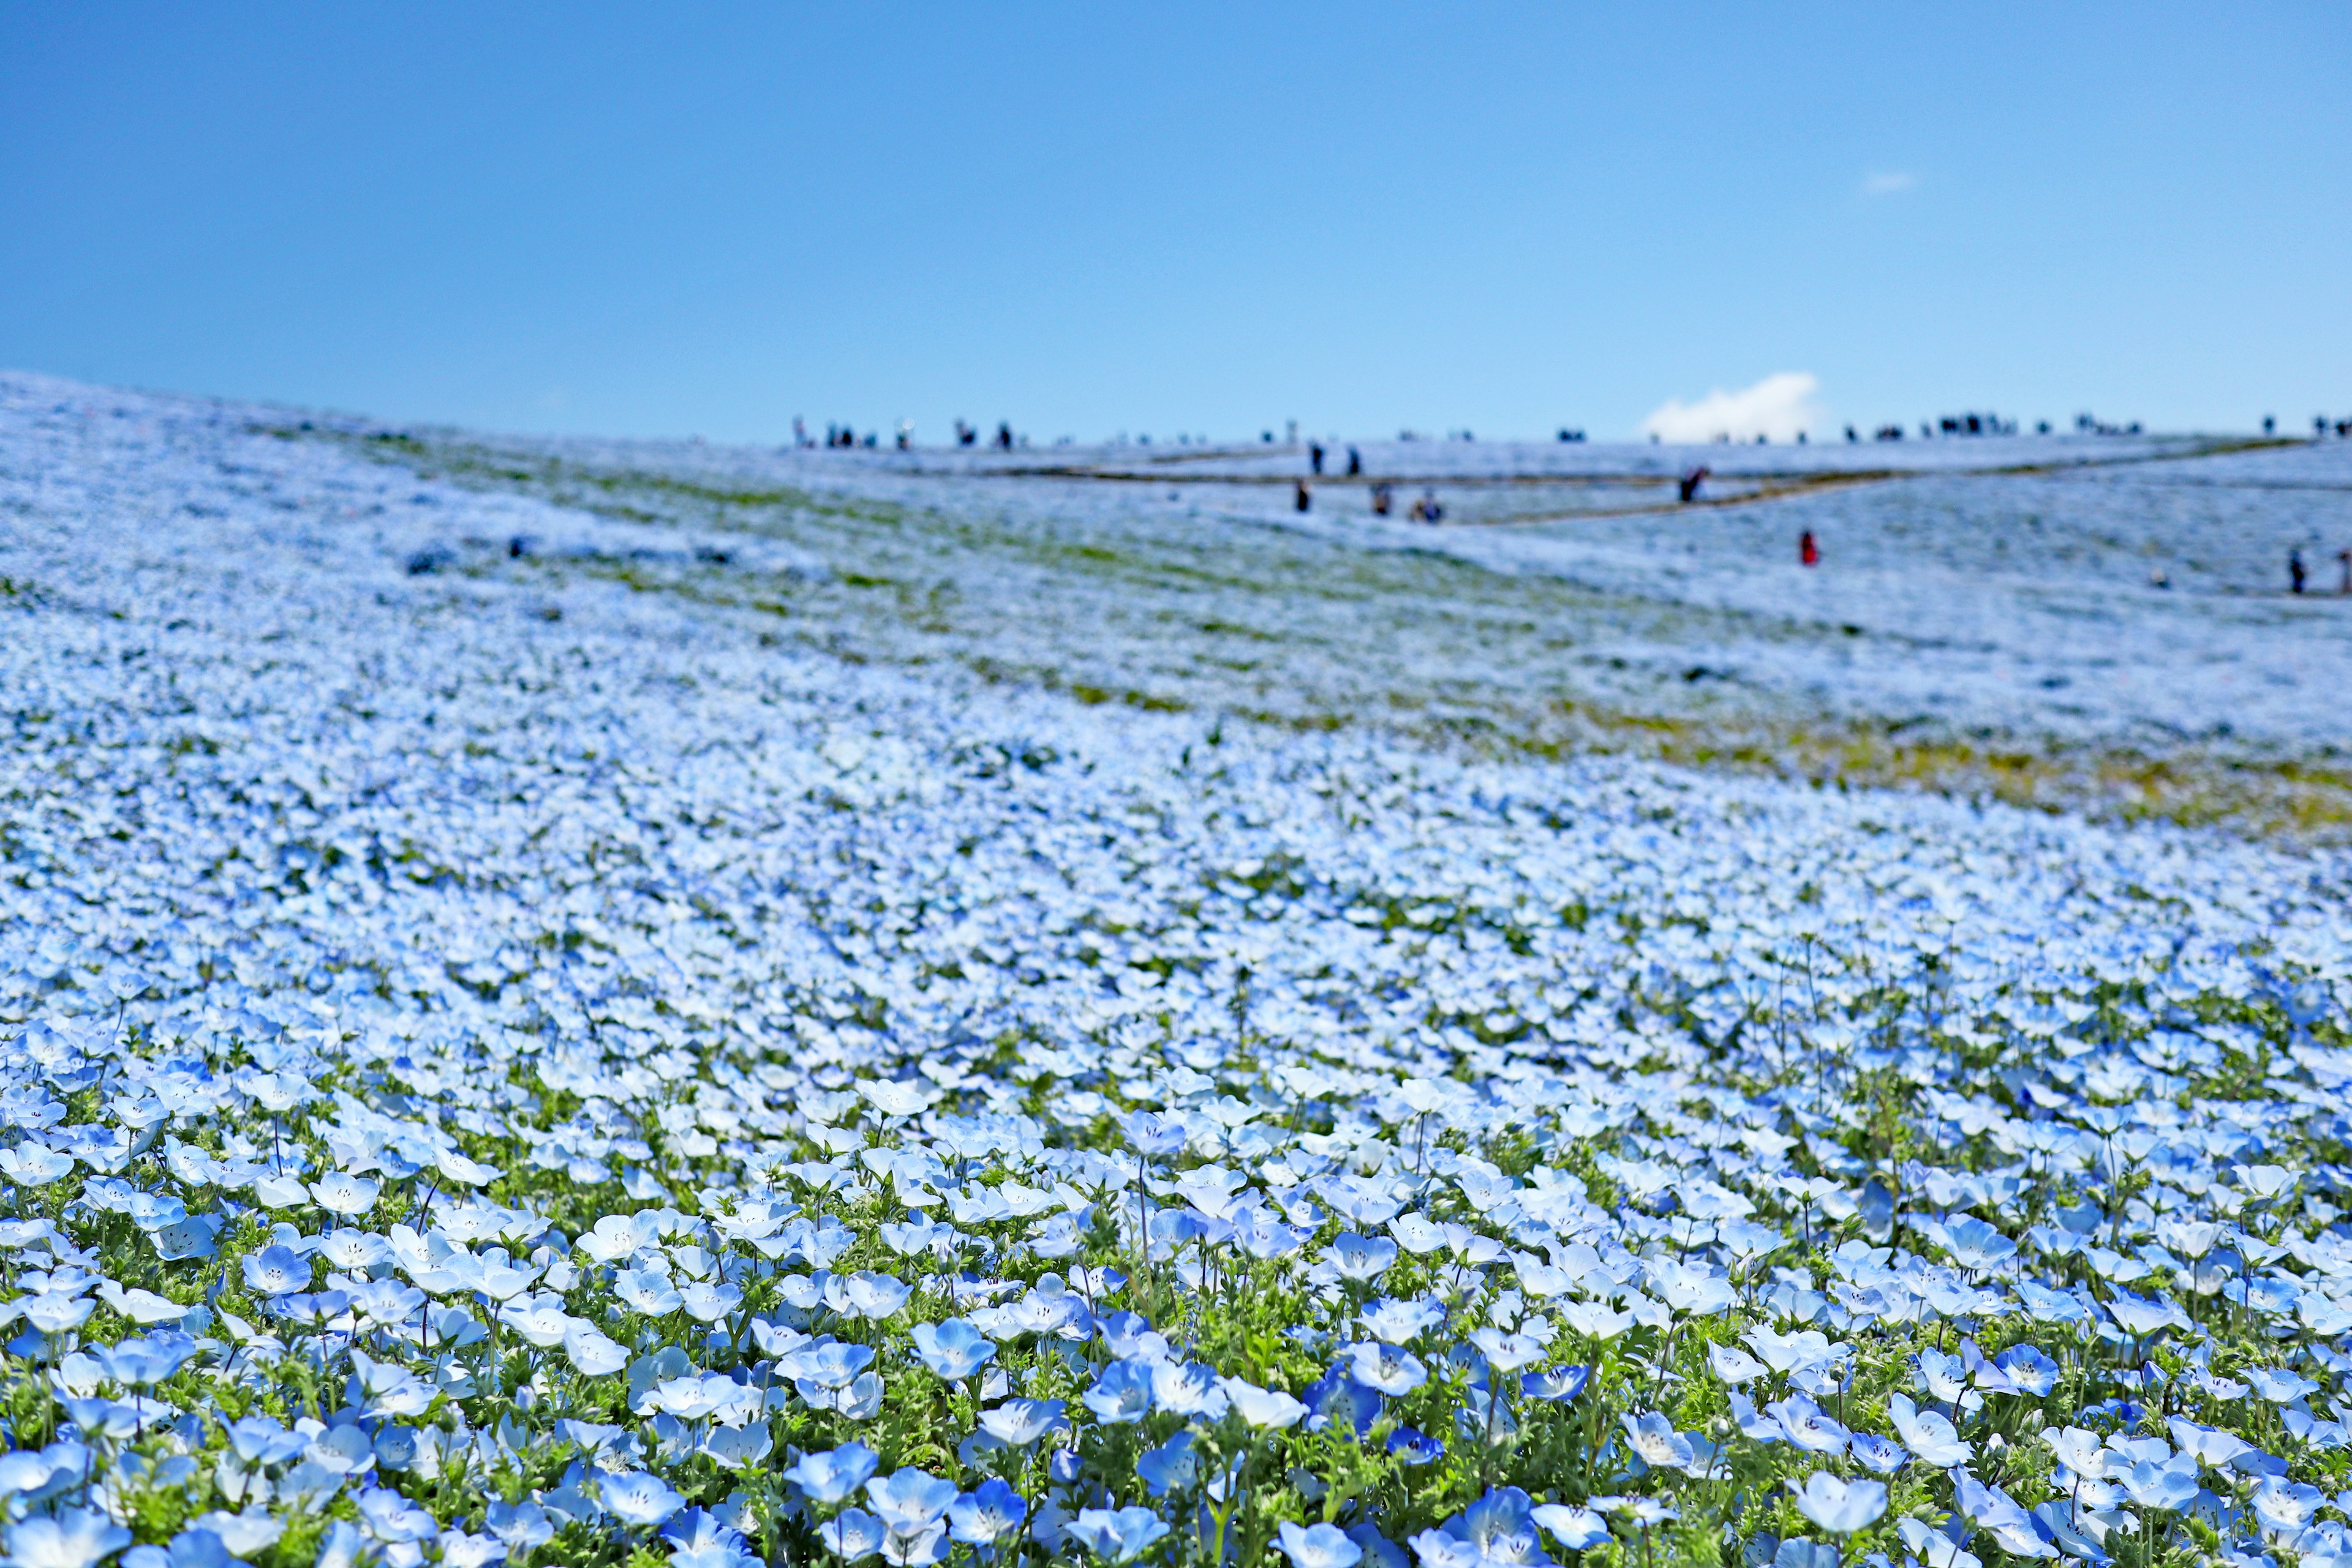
{"points": [[1004, 436], [1426, 509], [1808, 550], [1304, 498], [1355, 461], [1315, 457], [799, 431], [2295, 568], [2346, 557], [1382, 497], [1691, 482]]}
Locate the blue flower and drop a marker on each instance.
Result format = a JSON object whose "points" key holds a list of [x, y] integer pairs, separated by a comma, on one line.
{"points": [[829, 1477], [979, 1518], [1123, 1393], [954, 1349], [1337, 1397], [1559, 1382], [1119, 1536], [1414, 1448]]}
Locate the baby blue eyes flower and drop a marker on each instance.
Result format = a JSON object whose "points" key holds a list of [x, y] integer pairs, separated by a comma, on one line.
{"points": [[640, 1500], [1360, 1258], [1017, 1423], [909, 1500], [1387, 1368], [276, 1270], [1840, 1507], [78, 1538], [1117, 1537], [1170, 1467], [1317, 1546], [1576, 1528], [826, 1363], [1558, 1384], [829, 1477], [1262, 1407], [1122, 1393], [1413, 1448], [986, 1514], [953, 1350], [852, 1535]]}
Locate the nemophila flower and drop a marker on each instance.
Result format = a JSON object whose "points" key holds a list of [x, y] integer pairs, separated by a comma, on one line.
{"points": [[1401, 1323], [852, 1535], [2209, 1445], [1317, 1546], [1595, 1320], [1187, 1390], [709, 1303], [1499, 1528], [910, 1499], [389, 1517], [639, 1499], [1337, 1396], [1170, 1467], [2027, 1370], [874, 1295], [2283, 1506], [1926, 1433], [987, 1514], [1576, 1528], [1262, 1407], [1018, 1423], [1734, 1365], [833, 1474], [345, 1193], [77, 1537], [1808, 1426], [1386, 1368], [827, 1363], [1558, 1384], [2278, 1386], [953, 1350], [647, 1292], [1654, 1437], [1122, 1393], [1838, 1505], [1117, 1535], [1414, 1448], [1937, 1550], [275, 1270], [1876, 1453], [2163, 1485]]}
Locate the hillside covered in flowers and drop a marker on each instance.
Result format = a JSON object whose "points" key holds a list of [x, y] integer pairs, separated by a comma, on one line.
{"points": [[528, 1035]]}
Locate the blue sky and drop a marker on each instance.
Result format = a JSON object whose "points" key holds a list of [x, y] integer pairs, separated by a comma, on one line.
{"points": [[679, 219]]}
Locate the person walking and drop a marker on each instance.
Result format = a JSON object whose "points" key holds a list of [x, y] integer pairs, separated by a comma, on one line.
{"points": [[1382, 498], [1355, 462], [2295, 568], [1691, 482], [1304, 499], [1315, 455], [1808, 552], [2346, 557]]}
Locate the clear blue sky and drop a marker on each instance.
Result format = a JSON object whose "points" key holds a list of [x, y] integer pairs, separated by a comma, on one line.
{"points": [[680, 219]]}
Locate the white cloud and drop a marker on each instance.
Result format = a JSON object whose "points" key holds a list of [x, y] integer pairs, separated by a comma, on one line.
{"points": [[1777, 407], [1893, 184]]}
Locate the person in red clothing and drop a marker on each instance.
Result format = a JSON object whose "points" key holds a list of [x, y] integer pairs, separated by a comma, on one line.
{"points": [[1808, 553]]}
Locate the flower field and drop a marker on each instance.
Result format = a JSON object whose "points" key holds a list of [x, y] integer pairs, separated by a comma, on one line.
{"points": [[544, 1032]]}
